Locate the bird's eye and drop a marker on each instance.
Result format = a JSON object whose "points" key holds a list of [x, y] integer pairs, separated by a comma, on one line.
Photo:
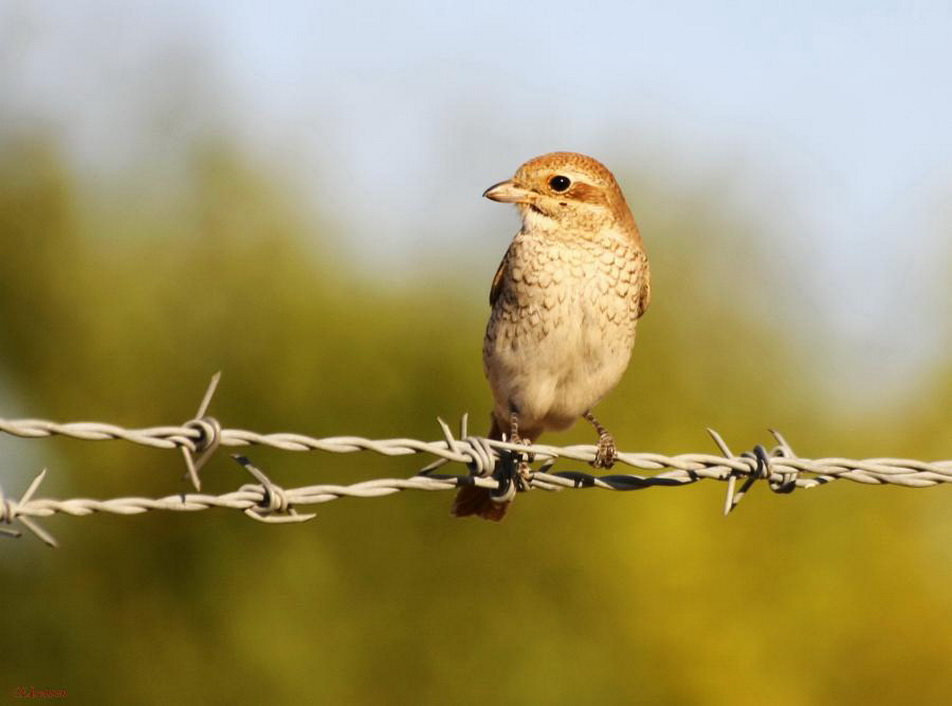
{"points": [[560, 183]]}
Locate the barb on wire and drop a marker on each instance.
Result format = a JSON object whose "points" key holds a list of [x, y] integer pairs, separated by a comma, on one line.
{"points": [[209, 438], [762, 471], [274, 506], [267, 501], [11, 510]]}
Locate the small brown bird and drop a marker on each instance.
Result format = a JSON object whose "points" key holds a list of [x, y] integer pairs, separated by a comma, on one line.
{"points": [[565, 303]]}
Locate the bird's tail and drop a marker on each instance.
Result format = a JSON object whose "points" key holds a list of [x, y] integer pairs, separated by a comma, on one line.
{"points": [[473, 500]]}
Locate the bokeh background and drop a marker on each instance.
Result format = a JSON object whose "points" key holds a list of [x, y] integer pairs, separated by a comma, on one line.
{"points": [[289, 193]]}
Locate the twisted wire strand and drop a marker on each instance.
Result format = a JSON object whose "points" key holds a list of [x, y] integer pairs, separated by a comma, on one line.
{"points": [[268, 502], [897, 471]]}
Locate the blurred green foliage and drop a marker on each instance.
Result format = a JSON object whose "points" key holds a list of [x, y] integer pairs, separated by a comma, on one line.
{"points": [[837, 595]]}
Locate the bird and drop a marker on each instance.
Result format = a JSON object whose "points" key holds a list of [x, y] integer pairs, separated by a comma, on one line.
{"points": [[565, 301]]}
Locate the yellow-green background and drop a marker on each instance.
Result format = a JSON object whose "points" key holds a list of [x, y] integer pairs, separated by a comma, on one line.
{"points": [[834, 595], [168, 244]]}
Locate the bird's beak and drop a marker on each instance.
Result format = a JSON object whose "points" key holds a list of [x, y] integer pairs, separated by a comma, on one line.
{"points": [[506, 192]]}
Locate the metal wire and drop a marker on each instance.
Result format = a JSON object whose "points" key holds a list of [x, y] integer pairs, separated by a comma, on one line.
{"points": [[490, 464]]}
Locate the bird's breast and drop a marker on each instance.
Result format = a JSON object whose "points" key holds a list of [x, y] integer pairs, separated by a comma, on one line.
{"points": [[562, 328], [582, 283]]}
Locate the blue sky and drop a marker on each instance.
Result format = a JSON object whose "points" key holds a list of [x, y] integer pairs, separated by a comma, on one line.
{"points": [[834, 118]]}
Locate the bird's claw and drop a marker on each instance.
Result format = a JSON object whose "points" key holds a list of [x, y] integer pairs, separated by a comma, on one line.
{"points": [[514, 476], [523, 476], [606, 452], [528, 457]]}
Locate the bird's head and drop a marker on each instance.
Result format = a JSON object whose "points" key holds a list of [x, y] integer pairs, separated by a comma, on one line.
{"points": [[568, 192]]}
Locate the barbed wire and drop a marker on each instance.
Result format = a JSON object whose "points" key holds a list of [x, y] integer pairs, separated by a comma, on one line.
{"points": [[499, 465]]}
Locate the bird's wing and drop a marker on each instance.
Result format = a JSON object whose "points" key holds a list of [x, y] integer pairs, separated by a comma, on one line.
{"points": [[497, 280], [644, 296]]}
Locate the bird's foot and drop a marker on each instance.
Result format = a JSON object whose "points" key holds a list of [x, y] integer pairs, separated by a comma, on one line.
{"points": [[520, 473], [514, 438], [606, 452], [514, 475], [523, 476]]}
